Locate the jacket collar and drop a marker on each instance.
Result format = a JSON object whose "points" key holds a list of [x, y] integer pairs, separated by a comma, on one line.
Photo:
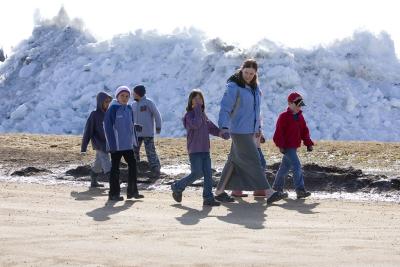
{"points": [[291, 112]]}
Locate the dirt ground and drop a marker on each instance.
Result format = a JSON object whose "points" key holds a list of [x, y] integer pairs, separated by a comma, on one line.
{"points": [[52, 151], [60, 225], [73, 226]]}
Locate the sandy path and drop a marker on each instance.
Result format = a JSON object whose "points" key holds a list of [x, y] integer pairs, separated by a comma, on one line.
{"points": [[64, 225]]}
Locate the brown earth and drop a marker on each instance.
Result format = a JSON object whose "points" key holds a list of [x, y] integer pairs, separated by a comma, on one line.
{"points": [[60, 225], [63, 225], [52, 151]]}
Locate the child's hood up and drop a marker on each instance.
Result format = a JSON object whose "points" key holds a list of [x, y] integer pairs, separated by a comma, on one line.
{"points": [[101, 97]]}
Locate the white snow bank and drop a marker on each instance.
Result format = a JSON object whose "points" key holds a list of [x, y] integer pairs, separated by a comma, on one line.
{"points": [[49, 84]]}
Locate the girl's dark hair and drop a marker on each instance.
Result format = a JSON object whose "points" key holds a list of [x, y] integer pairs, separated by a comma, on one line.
{"points": [[238, 76], [193, 94]]}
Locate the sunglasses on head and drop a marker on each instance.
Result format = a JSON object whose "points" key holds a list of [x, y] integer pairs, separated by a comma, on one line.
{"points": [[299, 102]]}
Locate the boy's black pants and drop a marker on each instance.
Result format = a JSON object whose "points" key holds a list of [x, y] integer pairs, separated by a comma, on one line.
{"points": [[129, 157]]}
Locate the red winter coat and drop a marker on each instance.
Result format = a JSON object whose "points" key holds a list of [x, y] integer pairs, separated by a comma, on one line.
{"points": [[289, 132]]}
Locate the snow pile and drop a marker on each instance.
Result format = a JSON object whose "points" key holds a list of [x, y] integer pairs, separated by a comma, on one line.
{"points": [[48, 85]]}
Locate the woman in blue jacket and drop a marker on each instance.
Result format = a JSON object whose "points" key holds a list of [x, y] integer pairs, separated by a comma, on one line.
{"points": [[240, 115]]}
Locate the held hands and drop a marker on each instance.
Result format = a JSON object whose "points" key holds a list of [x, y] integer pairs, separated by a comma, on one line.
{"points": [[224, 133], [310, 148], [158, 130]]}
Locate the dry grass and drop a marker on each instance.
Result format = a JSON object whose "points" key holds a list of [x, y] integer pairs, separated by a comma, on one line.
{"points": [[21, 150]]}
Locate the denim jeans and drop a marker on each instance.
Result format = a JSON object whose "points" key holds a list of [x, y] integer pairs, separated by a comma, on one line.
{"points": [[262, 158], [289, 160], [200, 165]]}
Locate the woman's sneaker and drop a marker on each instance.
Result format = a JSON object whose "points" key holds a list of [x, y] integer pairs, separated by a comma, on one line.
{"points": [[260, 193], [211, 203], [224, 197], [302, 193]]}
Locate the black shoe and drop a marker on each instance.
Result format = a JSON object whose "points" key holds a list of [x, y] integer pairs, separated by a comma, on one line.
{"points": [[93, 180], [283, 194], [276, 197], [211, 203], [134, 195], [224, 197], [155, 173], [176, 195], [302, 193], [115, 198], [96, 184]]}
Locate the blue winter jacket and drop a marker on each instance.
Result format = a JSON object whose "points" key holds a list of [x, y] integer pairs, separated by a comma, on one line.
{"points": [[119, 127], [240, 109]]}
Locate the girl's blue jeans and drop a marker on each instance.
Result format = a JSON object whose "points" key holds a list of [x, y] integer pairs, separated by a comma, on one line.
{"points": [[200, 165]]}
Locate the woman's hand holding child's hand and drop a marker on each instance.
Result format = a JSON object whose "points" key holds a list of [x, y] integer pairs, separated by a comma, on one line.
{"points": [[225, 135]]}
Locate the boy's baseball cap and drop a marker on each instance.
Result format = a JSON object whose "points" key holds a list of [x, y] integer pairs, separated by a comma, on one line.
{"points": [[296, 98], [122, 89]]}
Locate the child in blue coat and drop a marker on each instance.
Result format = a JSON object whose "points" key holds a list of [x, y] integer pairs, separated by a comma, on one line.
{"points": [[121, 138]]}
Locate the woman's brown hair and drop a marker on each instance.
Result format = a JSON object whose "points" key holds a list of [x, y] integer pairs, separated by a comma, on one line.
{"points": [[238, 76], [193, 94]]}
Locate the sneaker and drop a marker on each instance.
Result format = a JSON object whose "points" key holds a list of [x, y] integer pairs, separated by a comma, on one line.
{"points": [[135, 195], [275, 197], [115, 198], [260, 193], [96, 184], [224, 197], [302, 193], [211, 203], [283, 194], [155, 173], [93, 180], [176, 195]]}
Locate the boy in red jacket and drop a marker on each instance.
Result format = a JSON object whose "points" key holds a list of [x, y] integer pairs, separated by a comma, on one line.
{"points": [[291, 128]]}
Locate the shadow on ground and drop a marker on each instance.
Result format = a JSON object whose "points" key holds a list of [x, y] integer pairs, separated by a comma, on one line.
{"points": [[104, 213]]}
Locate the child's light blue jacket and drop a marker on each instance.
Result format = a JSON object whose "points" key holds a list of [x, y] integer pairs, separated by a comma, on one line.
{"points": [[119, 127]]}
